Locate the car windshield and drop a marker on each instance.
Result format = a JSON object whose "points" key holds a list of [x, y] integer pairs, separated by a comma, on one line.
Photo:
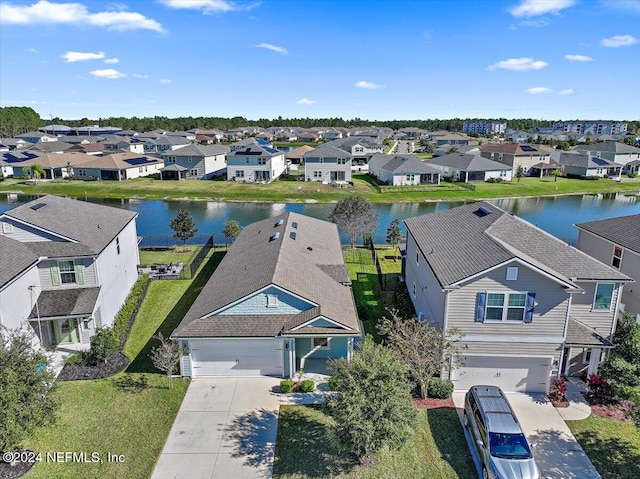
{"points": [[509, 446]]}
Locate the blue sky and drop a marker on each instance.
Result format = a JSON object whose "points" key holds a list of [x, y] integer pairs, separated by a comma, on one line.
{"points": [[547, 59]]}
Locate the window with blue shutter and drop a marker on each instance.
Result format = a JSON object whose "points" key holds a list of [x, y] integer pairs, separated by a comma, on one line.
{"points": [[531, 300], [481, 301]]}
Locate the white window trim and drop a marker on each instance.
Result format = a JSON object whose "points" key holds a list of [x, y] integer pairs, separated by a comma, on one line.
{"points": [[595, 292], [613, 256], [505, 307], [320, 348], [584, 356], [272, 300], [512, 273]]}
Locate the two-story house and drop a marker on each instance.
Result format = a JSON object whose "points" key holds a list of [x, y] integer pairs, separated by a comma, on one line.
{"points": [[517, 154], [200, 161], [616, 241], [124, 144], [255, 163], [327, 164], [531, 307], [66, 268], [620, 153]]}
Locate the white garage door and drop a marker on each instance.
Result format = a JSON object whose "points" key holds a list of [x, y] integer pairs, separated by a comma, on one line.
{"points": [[528, 374], [236, 357]]}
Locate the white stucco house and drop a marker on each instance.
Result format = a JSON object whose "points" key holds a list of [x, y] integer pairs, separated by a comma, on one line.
{"points": [[66, 268]]}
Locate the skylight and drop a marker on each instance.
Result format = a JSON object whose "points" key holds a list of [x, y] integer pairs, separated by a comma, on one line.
{"points": [[37, 206]]}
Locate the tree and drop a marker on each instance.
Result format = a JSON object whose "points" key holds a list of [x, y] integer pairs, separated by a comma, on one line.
{"points": [[424, 349], [519, 172], [35, 171], [453, 149], [355, 216], [373, 406], [556, 174], [564, 145], [24, 383], [622, 368], [231, 229], [184, 227], [165, 356], [394, 235]]}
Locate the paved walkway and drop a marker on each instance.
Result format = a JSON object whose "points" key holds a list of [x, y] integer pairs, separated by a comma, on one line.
{"points": [[557, 453]]}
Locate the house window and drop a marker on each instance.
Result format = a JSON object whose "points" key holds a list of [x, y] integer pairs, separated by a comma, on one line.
{"points": [[118, 244], [505, 306], [512, 273], [417, 257], [272, 301], [193, 171], [317, 174], [617, 257], [411, 177], [321, 343], [171, 159], [85, 324], [602, 298], [262, 161], [414, 289], [321, 160], [586, 356], [342, 161], [67, 272], [82, 172], [239, 173]]}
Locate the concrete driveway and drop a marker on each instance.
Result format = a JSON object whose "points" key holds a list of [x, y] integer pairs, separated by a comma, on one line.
{"points": [[225, 428], [557, 453]]}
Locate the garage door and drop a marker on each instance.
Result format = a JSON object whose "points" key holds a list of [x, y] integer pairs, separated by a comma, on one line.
{"points": [[528, 374], [236, 357]]}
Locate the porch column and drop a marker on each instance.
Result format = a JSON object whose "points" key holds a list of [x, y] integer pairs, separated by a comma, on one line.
{"points": [[594, 361]]}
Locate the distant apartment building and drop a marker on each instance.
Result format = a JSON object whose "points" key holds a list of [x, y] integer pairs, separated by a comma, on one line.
{"points": [[484, 127], [590, 127]]}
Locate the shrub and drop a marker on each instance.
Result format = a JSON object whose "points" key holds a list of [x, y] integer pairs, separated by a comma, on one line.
{"points": [[599, 387], [495, 180], [103, 344], [121, 321], [286, 385], [619, 373], [74, 359], [440, 388], [632, 393], [333, 383], [631, 174], [307, 386], [558, 390]]}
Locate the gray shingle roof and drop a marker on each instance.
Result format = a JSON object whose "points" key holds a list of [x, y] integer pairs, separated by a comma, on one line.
{"points": [[467, 162], [199, 150], [609, 146], [327, 151], [59, 249], [579, 334], [65, 302], [580, 160], [16, 257], [305, 264], [623, 230], [402, 164], [88, 223], [463, 241]]}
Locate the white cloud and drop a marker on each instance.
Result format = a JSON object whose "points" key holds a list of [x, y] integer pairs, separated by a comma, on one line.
{"points": [[578, 58], [74, 14], [32, 50], [630, 6], [166, 81], [112, 60], [139, 75], [71, 57], [519, 64], [108, 73], [538, 90], [541, 22], [305, 101], [208, 6], [619, 41], [568, 91], [273, 48], [367, 85], [533, 8]]}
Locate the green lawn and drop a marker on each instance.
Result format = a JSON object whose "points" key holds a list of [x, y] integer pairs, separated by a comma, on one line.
{"points": [[118, 415], [173, 255], [305, 449], [300, 192], [612, 446]]}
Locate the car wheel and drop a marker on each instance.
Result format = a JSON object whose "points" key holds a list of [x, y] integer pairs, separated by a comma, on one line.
{"points": [[485, 474]]}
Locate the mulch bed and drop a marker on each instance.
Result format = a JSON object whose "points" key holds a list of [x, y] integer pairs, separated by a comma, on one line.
{"points": [[433, 403], [13, 472], [615, 409], [74, 372]]}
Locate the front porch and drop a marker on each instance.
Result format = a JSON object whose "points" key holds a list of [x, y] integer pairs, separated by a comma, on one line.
{"points": [[311, 354], [584, 350]]}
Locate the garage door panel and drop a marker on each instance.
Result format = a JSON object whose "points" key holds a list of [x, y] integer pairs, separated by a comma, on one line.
{"points": [[525, 374], [236, 357]]}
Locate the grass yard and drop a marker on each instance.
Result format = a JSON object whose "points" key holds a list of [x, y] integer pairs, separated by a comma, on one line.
{"points": [[612, 446], [287, 191], [173, 255], [120, 415], [305, 449]]}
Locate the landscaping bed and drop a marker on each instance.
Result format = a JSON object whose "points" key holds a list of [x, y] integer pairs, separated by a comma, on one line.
{"points": [[434, 403], [8, 471], [114, 363], [610, 408]]}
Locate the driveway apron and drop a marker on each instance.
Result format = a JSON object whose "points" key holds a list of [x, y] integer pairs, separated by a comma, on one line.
{"points": [[225, 428]]}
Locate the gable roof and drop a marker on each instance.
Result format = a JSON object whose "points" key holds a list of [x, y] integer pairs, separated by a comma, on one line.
{"points": [[121, 161], [408, 163], [303, 260], [581, 160], [16, 257], [467, 162], [327, 151], [623, 230], [517, 149], [609, 147], [199, 150], [88, 223], [255, 150], [461, 242]]}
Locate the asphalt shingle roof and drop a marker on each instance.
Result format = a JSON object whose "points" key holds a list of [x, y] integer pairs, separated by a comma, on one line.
{"points": [[468, 162], [408, 163], [65, 302], [623, 230], [88, 223], [200, 150], [463, 241], [579, 334], [303, 260], [16, 257], [609, 147]]}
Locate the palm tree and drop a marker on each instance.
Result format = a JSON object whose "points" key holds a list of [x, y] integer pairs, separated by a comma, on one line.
{"points": [[36, 172]]}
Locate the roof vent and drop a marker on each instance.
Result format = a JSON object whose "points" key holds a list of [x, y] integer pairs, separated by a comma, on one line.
{"points": [[37, 206], [295, 224], [309, 248], [275, 236], [483, 211], [292, 235], [279, 223]]}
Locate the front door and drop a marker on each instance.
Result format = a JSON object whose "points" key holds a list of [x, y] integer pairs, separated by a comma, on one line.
{"points": [[65, 331]]}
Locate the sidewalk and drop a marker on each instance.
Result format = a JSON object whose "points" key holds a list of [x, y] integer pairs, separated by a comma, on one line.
{"points": [[579, 408]]}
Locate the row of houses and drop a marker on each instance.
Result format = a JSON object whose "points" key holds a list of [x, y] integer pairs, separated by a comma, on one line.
{"points": [[530, 306]]}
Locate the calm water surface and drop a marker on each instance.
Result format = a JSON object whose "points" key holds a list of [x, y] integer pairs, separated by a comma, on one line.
{"points": [[554, 215]]}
